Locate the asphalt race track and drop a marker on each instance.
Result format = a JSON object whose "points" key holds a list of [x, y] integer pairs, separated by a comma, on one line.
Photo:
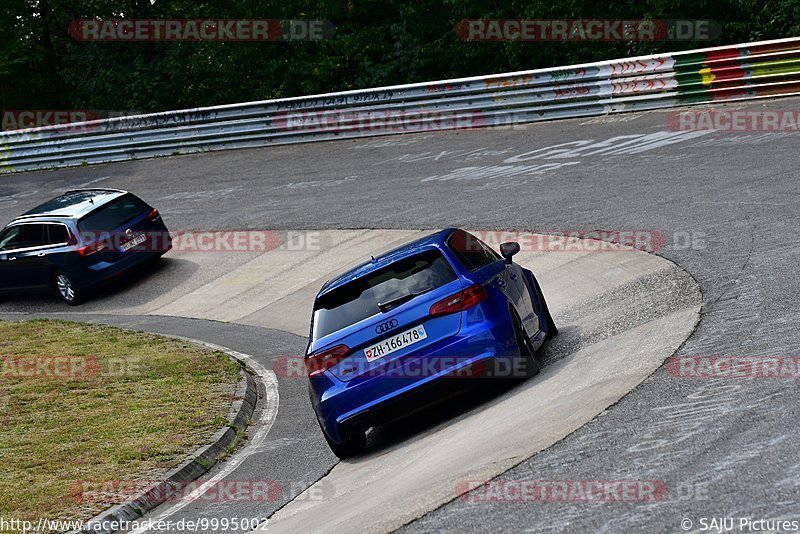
{"points": [[725, 203], [622, 313]]}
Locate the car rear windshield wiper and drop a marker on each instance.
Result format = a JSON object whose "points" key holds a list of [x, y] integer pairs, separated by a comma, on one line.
{"points": [[388, 305]]}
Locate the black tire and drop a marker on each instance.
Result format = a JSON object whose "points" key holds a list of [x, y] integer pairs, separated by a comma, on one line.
{"points": [[552, 331], [530, 361], [66, 289], [354, 443]]}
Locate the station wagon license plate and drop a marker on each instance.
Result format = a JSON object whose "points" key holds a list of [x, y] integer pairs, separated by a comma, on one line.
{"points": [[137, 239], [395, 343]]}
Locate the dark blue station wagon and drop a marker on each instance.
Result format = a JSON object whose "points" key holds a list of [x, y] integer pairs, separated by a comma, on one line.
{"points": [[78, 241]]}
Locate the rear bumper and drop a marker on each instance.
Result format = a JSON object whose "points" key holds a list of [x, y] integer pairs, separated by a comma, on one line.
{"points": [[159, 242], [104, 272], [479, 346]]}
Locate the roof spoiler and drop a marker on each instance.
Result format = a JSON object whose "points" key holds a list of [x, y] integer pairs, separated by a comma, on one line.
{"points": [[108, 189]]}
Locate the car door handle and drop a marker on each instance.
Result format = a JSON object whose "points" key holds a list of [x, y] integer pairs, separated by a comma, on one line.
{"points": [[40, 255], [12, 258]]}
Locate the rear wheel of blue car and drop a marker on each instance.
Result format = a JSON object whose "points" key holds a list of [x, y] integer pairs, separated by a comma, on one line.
{"points": [[66, 288], [355, 442]]}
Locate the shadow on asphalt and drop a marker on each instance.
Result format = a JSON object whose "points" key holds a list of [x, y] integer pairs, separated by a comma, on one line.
{"points": [[478, 395], [136, 287]]}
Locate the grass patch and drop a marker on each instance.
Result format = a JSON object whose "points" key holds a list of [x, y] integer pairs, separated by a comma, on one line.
{"points": [[81, 402]]}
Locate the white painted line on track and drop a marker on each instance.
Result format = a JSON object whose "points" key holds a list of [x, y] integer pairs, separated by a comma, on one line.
{"points": [[267, 419], [84, 185]]}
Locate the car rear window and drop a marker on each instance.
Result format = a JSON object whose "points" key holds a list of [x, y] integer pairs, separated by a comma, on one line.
{"points": [[359, 299], [114, 214]]}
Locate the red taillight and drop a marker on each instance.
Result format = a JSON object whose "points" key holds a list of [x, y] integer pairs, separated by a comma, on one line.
{"points": [[463, 300], [319, 362], [88, 250], [153, 215]]}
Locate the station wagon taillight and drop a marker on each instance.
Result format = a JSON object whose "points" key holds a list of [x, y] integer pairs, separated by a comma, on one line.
{"points": [[153, 215], [319, 362], [88, 250], [463, 300]]}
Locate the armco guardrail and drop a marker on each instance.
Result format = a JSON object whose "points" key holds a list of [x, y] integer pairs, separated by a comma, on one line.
{"points": [[726, 73]]}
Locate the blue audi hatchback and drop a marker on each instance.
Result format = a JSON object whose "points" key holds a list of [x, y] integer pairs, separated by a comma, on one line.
{"points": [[77, 241], [388, 335]]}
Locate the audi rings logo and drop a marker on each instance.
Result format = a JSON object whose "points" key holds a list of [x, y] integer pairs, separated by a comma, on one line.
{"points": [[385, 327]]}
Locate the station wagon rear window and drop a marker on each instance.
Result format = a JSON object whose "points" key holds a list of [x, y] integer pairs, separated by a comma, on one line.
{"points": [[113, 215], [359, 299]]}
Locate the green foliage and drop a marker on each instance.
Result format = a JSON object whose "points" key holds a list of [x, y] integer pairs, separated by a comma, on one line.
{"points": [[377, 42]]}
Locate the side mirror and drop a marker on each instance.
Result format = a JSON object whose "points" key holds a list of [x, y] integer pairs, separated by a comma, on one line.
{"points": [[507, 250]]}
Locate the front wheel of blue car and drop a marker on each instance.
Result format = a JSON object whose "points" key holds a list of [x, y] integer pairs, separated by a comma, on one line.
{"points": [[552, 331], [355, 442], [530, 362]]}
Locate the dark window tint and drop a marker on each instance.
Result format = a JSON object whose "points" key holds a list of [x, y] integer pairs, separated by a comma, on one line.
{"points": [[9, 237], [359, 299], [114, 214], [24, 236], [57, 234], [471, 251]]}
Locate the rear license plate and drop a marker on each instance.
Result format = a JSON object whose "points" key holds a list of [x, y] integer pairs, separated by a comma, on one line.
{"points": [[395, 343], [137, 239]]}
